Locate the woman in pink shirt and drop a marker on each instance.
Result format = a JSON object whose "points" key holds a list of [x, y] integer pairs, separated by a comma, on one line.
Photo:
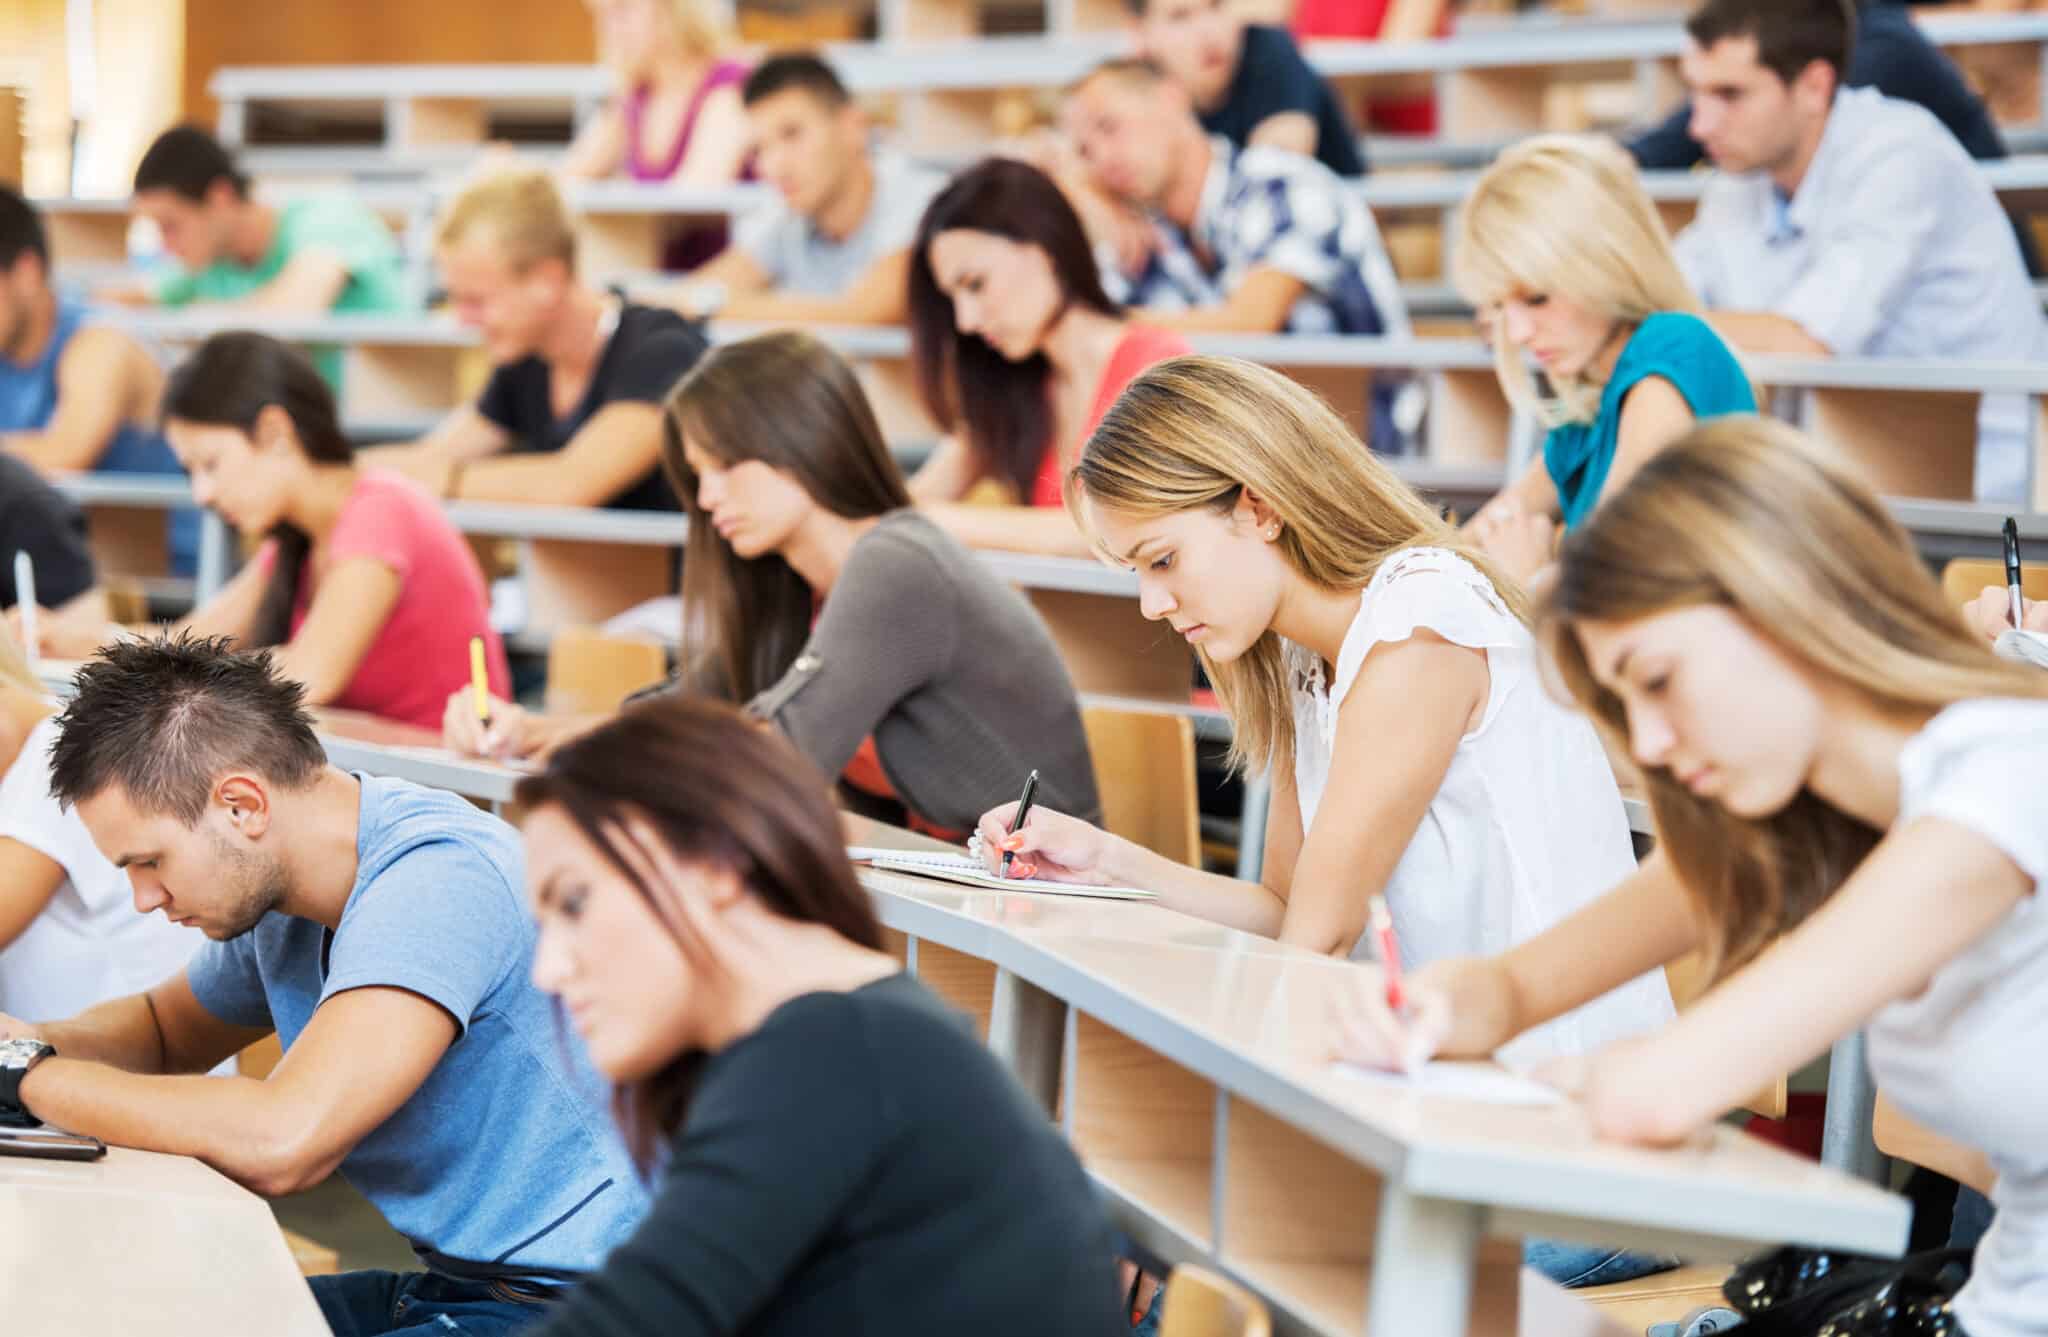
{"points": [[1019, 352], [368, 592]]}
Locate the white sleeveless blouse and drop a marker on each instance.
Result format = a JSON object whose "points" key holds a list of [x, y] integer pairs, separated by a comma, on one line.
{"points": [[1527, 827]]}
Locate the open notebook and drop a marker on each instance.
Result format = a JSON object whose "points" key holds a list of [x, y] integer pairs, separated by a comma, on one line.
{"points": [[2023, 647], [970, 872]]}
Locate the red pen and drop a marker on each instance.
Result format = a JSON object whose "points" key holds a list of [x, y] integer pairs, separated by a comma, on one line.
{"points": [[1390, 951]]}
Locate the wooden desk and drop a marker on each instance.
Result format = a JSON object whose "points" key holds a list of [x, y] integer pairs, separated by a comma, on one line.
{"points": [[144, 1245]]}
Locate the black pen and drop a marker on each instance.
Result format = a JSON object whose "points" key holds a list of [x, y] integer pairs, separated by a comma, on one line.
{"points": [[2012, 570], [1023, 811]]}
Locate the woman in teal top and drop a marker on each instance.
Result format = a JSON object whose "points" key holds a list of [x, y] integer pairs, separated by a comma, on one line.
{"points": [[1568, 263]]}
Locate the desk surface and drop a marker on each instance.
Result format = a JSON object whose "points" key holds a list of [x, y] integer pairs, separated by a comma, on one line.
{"points": [[145, 1245]]}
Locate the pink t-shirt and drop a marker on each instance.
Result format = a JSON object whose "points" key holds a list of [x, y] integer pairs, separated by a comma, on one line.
{"points": [[421, 653], [1139, 349]]}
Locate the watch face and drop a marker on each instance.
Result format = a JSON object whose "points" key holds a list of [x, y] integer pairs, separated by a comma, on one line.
{"points": [[18, 1052]]}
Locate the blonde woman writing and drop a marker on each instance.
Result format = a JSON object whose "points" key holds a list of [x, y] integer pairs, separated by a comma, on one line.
{"points": [[1852, 813], [1569, 265]]}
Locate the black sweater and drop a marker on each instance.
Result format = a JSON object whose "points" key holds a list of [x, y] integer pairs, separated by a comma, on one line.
{"points": [[859, 1165]]}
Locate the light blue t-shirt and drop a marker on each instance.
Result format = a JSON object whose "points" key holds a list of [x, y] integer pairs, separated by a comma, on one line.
{"points": [[505, 1162], [1683, 350]]}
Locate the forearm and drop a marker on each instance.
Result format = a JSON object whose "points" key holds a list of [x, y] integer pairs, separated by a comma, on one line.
{"points": [[1535, 492], [798, 309], [1225, 319], [122, 1032], [547, 479], [1232, 902], [1768, 333], [51, 452], [1032, 529]]}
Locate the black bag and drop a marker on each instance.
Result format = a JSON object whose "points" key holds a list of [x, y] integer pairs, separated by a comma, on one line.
{"points": [[1796, 1292]]}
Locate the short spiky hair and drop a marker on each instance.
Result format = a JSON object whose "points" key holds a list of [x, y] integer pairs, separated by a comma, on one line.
{"points": [[164, 718]]}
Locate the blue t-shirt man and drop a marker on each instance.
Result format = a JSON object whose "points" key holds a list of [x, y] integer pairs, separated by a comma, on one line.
{"points": [[503, 1166], [1681, 348]]}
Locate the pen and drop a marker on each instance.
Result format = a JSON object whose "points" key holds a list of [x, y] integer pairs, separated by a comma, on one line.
{"points": [[479, 680], [2012, 571], [1390, 951], [1023, 811], [25, 600]]}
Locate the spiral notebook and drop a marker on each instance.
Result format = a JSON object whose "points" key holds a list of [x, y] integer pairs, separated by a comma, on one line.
{"points": [[970, 872]]}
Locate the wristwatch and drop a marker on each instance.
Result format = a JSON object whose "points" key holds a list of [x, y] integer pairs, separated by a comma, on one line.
{"points": [[17, 1056]]}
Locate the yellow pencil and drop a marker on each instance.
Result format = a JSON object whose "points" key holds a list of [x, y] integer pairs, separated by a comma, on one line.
{"points": [[480, 680]]}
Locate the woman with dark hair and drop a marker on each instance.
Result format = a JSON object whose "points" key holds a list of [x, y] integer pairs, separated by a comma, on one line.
{"points": [[813, 593], [1019, 352], [369, 593], [831, 1148]]}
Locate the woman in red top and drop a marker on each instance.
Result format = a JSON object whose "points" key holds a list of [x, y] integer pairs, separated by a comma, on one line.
{"points": [[366, 589], [1019, 352]]}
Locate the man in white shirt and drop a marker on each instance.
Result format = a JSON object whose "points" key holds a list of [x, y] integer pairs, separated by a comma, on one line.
{"points": [[1846, 223], [835, 248]]}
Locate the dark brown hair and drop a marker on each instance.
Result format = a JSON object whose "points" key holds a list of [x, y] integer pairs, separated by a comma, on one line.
{"points": [[1789, 34], [1005, 405], [187, 160], [786, 400], [228, 382], [718, 791], [165, 718]]}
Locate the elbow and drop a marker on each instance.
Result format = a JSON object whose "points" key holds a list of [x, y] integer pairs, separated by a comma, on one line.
{"points": [[283, 1163]]}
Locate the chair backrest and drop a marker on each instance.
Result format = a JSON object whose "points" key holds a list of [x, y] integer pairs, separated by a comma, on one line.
{"points": [[590, 672], [1687, 977], [1965, 577], [1200, 1303], [1898, 1136], [1145, 773]]}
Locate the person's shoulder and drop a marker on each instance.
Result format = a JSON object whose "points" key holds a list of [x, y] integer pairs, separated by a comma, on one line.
{"points": [[1268, 48], [1677, 334], [403, 821], [906, 543], [1147, 345], [639, 324], [385, 498], [894, 1015], [1894, 135], [2008, 726], [330, 209]]}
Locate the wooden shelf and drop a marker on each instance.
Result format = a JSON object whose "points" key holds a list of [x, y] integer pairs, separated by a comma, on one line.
{"points": [[1174, 1191], [966, 982]]}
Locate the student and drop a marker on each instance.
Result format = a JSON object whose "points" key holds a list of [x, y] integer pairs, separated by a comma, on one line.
{"points": [[1844, 223], [800, 1102], [1565, 258], [369, 592], [376, 928], [1019, 352], [925, 683], [572, 413], [69, 934], [834, 248], [1255, 239], [1248, 81], [37, 519], [1382, 675], [1990, 613], [312, 254], [1850, 812], [678, 118]]}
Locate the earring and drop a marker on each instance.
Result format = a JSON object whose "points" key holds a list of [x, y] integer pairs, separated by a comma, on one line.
{"points": [[1272, 532]]}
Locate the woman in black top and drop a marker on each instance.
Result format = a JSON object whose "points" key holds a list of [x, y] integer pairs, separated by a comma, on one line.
{"points": [[833, 1151]]}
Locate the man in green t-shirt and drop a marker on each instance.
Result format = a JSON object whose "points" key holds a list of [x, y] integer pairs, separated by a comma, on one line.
{"points": [[311, 254]]}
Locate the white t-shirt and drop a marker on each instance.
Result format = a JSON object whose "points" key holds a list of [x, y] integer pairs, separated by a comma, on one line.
{"points": [[89, 944], [1968, 1057], [798, 258], [1527, 827]]}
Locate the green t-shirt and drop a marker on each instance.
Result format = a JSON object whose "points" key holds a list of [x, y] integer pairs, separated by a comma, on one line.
{"points": [[338, 224]]}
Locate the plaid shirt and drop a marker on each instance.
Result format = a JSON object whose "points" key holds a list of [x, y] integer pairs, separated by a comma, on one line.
{"points": [[1267, 207]]}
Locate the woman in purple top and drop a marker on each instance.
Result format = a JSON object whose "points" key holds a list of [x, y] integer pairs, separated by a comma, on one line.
{"points": [[677, 117]]}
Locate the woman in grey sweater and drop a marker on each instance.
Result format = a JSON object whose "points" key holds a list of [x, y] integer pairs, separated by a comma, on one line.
{"points": [[887, 652]]}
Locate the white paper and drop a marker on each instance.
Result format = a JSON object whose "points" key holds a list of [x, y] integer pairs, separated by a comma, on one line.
{"points": [[2022, 647], [971, 872], [1484, 1083]]}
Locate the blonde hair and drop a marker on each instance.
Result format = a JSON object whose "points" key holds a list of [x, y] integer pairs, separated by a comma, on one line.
{"points": [[701, 28], [1565, 215], [522, 210], [1196, 432], [1747, 514]]}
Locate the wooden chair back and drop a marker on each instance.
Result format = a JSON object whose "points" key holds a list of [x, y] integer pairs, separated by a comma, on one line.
{"points": [[1965, 577], [590, 672], [1145, 773], [1199, 1303]]}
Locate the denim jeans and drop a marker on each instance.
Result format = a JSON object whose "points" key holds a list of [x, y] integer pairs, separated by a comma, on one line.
{"points": [[1575, 1265], [420, 1304]]}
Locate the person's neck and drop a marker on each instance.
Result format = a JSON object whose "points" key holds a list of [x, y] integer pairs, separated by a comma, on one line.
{"points": [[34, 336], [1317, 618], [848, 206], [316, 503], [1601, 369], [316, 828], [771, 960], [819, 547], [676, 72], [251, 233], [1181, 201], [1788, 175], [572, 346], [1857, 766], [1081, 342]]}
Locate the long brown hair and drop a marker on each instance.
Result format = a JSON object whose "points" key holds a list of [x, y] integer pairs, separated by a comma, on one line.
{"points": [[1196, 432], [719, 792], [789, 401], [1750, 515]]}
